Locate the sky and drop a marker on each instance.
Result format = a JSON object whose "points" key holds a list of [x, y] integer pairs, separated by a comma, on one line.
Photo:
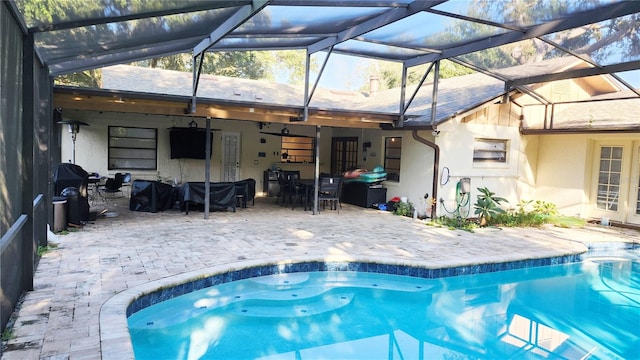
{"points": [[344, 72], [350, 73]]}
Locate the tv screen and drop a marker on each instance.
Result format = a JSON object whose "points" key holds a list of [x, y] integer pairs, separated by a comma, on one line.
{"points": [[189, 143]]}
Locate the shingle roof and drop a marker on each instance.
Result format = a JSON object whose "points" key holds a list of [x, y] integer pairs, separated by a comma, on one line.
{"points": [[170, 82], [619, 110], [455, 95]]}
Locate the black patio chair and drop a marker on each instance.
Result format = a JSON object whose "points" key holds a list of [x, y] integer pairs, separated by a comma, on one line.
{"points": [[297, 193], [126, 182], [329, 191], [114, 185], [284, 192]]}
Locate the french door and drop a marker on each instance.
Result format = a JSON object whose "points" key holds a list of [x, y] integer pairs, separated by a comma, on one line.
{"points": [[344, 154]]}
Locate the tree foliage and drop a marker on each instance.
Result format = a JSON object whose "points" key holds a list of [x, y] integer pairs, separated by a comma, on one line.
{"points": [[605, 42], [619, 37], [390, 74], [285, 65], [86, 78]]}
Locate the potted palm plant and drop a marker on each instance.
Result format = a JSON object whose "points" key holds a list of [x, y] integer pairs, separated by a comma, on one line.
{"points": [[487, 205]]}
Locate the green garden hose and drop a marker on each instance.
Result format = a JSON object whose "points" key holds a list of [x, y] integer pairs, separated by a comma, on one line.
{"points": [[462, 208]]}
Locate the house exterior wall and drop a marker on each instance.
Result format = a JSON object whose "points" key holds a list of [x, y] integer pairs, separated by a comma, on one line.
{"points": [[497, 114], [568, 175], [561, 169], [92, 153], [512, 179], [416, 169], [92, 145], [563, 172]]}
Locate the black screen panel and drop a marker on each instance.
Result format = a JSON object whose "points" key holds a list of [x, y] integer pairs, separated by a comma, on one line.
{"points": [[189, 143]]}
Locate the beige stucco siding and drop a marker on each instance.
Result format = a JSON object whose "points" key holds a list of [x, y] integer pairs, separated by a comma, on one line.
{"points": [[568, 174], [505, 179], [416, 170], [562, 176]]}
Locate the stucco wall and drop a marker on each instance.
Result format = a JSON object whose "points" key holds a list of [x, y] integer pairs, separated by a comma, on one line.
{"points": [[511, 180], [562, 172], [568, 173], [416, 169]]}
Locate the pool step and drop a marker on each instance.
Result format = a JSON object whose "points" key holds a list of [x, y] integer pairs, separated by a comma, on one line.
{"points": [[294, 294], [294, 308]]}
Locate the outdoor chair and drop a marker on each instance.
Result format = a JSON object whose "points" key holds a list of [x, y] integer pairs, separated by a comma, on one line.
{"points": [[283, 193], [245, 192], [329, 191], [297, 193], [126, 182], [113, 185]]}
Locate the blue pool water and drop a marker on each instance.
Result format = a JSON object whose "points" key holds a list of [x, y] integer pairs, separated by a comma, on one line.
{"points": [[589, 309]]}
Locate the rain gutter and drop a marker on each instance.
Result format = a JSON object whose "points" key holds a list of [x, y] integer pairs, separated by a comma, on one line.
{"points": [[436, 166]]}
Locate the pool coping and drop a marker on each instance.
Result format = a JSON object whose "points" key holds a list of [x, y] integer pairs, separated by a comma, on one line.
{"points": [[115, 340]]}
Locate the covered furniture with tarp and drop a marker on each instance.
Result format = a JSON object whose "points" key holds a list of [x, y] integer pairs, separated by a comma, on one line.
{"points": [[152, 196], [222, 195], [246, 191], [71, 181]]}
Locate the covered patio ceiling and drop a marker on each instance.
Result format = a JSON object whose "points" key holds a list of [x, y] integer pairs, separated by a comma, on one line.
{"points": [[490, 37]]}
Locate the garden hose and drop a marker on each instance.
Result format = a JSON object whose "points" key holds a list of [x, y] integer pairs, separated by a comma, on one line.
{"points": [[462, 208]]}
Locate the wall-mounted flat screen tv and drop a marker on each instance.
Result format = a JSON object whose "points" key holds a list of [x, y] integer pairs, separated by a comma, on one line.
{"points": [[189, 143]]}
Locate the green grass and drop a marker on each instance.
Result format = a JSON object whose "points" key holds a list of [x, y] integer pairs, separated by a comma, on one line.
{"points": [[8, 334], [45, 249], [454, 223], [42, 250], [567, 221]]}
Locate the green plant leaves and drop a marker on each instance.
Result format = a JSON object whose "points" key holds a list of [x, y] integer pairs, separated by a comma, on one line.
{"points": [[487, 204]]}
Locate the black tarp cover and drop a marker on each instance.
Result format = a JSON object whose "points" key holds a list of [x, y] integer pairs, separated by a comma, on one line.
{"points": [[71, 175], [221, 196], [151, 196]]}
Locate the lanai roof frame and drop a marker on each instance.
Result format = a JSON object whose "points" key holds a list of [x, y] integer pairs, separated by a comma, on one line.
{"points": [[105, 34]]}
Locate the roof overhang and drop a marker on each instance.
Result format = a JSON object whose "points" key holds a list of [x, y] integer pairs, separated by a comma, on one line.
{"points": [[173, 105]]}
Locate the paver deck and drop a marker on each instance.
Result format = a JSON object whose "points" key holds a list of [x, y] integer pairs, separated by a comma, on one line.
{"points": [[60, 319]]}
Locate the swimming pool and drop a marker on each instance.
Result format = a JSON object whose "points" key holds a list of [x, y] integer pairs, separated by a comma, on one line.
{"points": [[570, 310]]}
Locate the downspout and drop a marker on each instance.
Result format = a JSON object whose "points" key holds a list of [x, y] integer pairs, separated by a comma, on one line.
{"points": [[436, 166]]}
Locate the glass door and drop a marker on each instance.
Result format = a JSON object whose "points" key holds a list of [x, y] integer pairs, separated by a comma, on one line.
{"points": [[611, 180], [344, 154]]}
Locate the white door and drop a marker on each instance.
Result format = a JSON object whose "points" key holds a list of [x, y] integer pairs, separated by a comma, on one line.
{"points": [[611, 180], [230, 156]]}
